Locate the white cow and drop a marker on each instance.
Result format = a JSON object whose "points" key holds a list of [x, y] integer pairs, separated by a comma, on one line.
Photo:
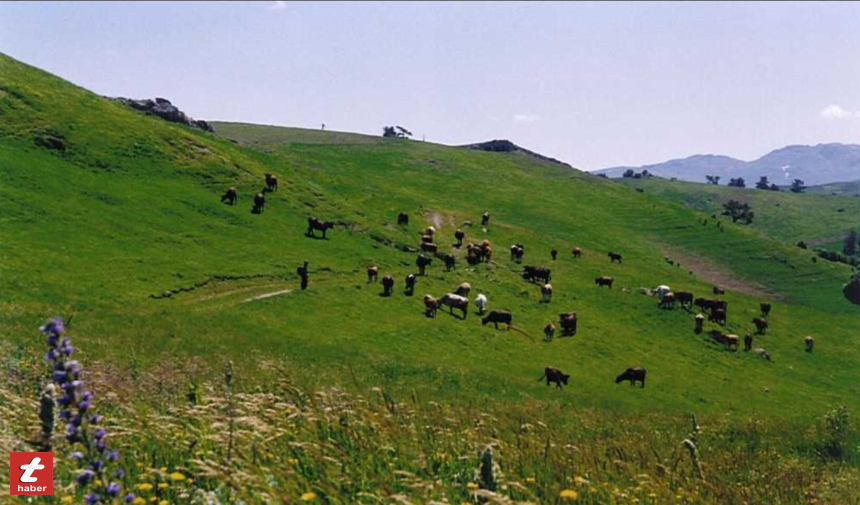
{"points": [[481, 303]]}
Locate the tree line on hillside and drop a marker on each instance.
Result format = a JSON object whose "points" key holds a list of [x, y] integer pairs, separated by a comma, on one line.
{"points": [[395, 132], [797, 186]]}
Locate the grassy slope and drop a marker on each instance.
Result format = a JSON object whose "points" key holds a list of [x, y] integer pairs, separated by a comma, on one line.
{"points": [[132, 209], [839, 188], [814, 218]]}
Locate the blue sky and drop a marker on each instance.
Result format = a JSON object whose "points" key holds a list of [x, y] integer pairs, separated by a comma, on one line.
{"points": [[595, 84]]}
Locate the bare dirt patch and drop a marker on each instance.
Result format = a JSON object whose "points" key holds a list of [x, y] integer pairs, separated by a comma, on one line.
{"points": [[719, 276]]}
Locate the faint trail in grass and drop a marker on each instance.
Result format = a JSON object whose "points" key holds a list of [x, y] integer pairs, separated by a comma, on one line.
{"points": [[267, 295]]}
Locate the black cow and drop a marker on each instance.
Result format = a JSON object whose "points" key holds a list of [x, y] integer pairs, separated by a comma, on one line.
{"points": [[685, 299], [613, 257], [765, 309], [459, 235], [271, 182], [633, 375], [554, 375], [568, 324], [316, 224], [410, 284], [496, 317], [422, 262], [485, 219], [402, 219], [387, 285], [230, 196], [259, 203], [534, 274], [449, 260]]}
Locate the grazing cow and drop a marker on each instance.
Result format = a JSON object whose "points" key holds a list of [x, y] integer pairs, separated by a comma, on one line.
{"points": [[748, 342], [711, 305], [230, 196], [577, 252], [718, 291], [517, 252], [633, 375], [449, 260], [546, 293], [402, 219], [456, 302], [315, 224], [410, 284], [760, 325], [473, 257], [387, 285], [271, 182], [485, 219], [534, 274], [685, 299], [430, 231], [431, 305], [422, 262], [554, 375], [731, 341], [810, 343], [426, 239], [765, 309], [429, 248], [463, 289], [668, 301], [459, 235], [259, 203], [613, 257], [549, 332], [661, 291], [487, 253], [553, 253], [700, 321], [604, 281], [718, 316], [496, 317], [481, 303], [762, 353], [568, 324], [372, 274]]}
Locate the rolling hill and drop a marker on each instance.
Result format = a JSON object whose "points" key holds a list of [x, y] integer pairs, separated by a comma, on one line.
{"points": [[815, 165], [113, 219]]}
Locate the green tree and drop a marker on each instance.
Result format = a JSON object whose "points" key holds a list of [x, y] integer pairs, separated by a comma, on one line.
{"points": [[797, 186], [738, 211], [763, 183]]}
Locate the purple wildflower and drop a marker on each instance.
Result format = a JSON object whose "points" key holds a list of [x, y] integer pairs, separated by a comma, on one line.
{"points": [[95, 419], [129, 497], [113, 489], [77, 455], [85, 477], [84, 406], [100, 433]]}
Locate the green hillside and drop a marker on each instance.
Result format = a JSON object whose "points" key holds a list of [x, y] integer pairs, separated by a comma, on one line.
{"points": [[838, 188], [816, 218], [113, 219]]}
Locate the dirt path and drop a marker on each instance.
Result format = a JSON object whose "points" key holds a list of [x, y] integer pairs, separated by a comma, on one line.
{"points": [[267, 295], [718, 275]]}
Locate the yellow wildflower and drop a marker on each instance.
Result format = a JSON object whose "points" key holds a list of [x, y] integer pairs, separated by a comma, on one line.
{"points": [[580, 481], [177, 476], [164, 502], [530, 480], [292, 461], [138, 501], [162, 469], [568, 494], [310, 495], [66, 499], [472, 485], [145, 487], [163, 485]]}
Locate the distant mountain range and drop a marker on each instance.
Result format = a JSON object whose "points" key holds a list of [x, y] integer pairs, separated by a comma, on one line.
{"points": [[820, 164]]}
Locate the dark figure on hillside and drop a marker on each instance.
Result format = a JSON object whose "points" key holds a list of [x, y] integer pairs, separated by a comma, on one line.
{"points": [[633, 375], [485, 219], [554, 375], [748, 342], [303, 274], [230, 196], [410, 284], [316, 224], [700, 321], [271, 182], [422, 262], [402, 219], [577, 252], [259, 203], [553, 253], [459, 235], [765, 309], [613, 257], [387, 285]]}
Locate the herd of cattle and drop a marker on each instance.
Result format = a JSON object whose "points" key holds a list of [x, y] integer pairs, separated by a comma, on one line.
{"points": [[458, 300]]}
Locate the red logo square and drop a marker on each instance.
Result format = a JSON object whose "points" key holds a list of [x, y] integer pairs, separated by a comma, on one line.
{"points": [[31, 473]]}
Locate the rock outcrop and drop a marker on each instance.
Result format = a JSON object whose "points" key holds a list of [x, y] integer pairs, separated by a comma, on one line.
{"points": [[162, 108]]}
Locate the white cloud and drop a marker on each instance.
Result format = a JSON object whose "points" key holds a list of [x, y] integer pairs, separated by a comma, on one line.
{"points": [[835, 112], [525, 118], [278, 6]]}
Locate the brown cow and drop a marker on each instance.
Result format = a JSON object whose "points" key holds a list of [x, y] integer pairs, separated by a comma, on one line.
{"points": [[426, 239], [633, 375], [549, 332], [463, 289], [760, 325], [230, 196], [604, 281], [668, 301], [554, 375], [429, 248], [372, 274], [431, 305]]}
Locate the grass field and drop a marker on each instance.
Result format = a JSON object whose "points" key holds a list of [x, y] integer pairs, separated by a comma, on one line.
{"points": [[127, 211]]}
